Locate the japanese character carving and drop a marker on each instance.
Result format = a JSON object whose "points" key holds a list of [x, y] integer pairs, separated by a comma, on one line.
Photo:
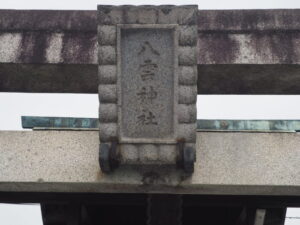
{"points": [[147, 118], [147, 94]]}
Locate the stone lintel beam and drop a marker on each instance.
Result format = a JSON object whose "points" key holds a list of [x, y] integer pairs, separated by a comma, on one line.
{"points": [[48, 20], [238, 163], [240, 51], [67, 161], [248, 20]]}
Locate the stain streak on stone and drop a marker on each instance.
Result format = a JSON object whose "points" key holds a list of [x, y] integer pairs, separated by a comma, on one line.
{"points": [[48, 20], [217, 48], [79, 48], [283, 48], [33, 47], [271, 36], [249, 20]]}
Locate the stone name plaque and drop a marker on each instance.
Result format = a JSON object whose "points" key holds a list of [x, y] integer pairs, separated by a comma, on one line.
{"points": [[147, 75], [147, 70]]}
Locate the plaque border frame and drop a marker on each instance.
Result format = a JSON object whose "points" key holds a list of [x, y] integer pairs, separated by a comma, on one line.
{"points": [[111, 152], [169, 140]]}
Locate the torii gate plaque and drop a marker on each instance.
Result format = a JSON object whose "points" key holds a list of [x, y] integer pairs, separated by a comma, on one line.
{"points": [[147, 85]]}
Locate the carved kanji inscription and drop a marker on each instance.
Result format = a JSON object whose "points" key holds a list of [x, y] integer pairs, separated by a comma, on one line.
{"points": [[146, 83]]}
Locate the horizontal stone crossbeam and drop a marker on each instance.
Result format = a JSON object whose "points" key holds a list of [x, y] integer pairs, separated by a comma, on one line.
{"points": [[230, 164], [240, 51]]}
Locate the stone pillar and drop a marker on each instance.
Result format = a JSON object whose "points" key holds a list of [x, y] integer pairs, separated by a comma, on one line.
{"points": [[147, 85]]}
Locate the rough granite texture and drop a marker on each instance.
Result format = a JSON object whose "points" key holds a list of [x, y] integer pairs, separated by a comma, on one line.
{"points": [[227, 164], [147, 83], [239, 51], [156, 81]]}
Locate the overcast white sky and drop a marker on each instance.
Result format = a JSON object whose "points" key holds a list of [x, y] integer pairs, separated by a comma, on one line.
{"points": [[13, 105]]}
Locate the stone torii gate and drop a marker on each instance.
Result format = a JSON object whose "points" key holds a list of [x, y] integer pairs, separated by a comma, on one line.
{"points": [[246, 172]]}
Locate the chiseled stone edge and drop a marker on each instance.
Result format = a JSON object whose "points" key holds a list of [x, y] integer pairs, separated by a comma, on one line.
{"points": [[187, 77], [107, 80], [186, 18], [147, 14], [107, 74]]}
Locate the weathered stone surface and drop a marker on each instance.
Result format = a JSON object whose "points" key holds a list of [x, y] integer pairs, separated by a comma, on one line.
{"points": [[10, 44], [269, 47], [110, 15], [187, 75], [147, 83], [249, 20], [187, 113], [148, 91], [107, 74], [106, 55], [48, 47], [148, 154], [188, 35], [166, 15], [108, 132], [108, 113], [108, 93], [139, 14], [249, 79], [248, 164], [187, 94], [182, 15], [238, 50], [129, 154], [107, 35], [187, 56], [187, 132], [168, 154], [187, 15], [147, 15], [131, 15], [48, 20]]}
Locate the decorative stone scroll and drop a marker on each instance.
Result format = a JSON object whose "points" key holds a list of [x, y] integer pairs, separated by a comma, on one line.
{"points": [[147, 85]]}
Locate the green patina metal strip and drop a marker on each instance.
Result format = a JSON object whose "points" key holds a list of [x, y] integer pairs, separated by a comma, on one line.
{"points": [[202, 125], [59, 122]]}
